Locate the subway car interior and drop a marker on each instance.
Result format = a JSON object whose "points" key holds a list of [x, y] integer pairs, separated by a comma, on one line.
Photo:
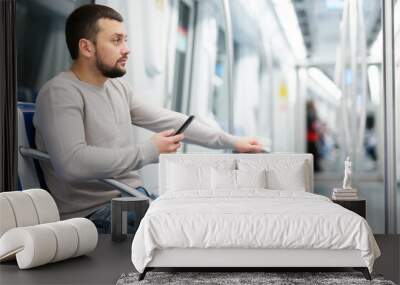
{"points": [[299, 77]]}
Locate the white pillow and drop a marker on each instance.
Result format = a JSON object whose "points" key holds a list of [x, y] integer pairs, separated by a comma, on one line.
{"points": [[282, 174], [183, 177], [293, 179], [251, 178], [187, 174], [223, 179]]}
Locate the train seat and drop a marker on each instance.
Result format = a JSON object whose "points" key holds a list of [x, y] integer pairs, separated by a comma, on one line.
{"points": [[30, 174]]}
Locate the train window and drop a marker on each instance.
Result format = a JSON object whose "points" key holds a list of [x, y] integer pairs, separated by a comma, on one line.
{"points": [[41, 49], [182, 57], [218, 101], [209, 96]]}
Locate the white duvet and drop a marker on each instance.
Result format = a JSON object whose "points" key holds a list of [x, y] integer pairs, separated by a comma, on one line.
{"points": [[251, 218]]}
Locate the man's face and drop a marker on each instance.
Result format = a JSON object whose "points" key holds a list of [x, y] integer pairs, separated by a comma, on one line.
{"points": [[111, 48]]}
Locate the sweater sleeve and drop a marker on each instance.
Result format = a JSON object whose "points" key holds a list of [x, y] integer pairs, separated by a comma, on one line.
{"points": [[59, 119], [159, 119]]}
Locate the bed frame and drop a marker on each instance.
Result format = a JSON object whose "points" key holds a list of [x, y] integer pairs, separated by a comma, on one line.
{"points": [[245, 258], [242, 259]]}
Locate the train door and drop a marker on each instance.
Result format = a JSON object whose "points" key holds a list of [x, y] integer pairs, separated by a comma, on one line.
{"points": [[231, 86], [180, 57], [208, 101]]}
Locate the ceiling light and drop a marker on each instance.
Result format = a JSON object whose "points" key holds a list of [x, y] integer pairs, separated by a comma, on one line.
{"points": [[289, 22], [325, 82]]}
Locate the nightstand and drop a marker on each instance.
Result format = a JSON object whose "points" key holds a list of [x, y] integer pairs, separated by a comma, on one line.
{"points": [[357, 206], [119, 215]]}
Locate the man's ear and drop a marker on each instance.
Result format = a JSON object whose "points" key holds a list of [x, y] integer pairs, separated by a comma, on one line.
{"points": [[86, 48]]}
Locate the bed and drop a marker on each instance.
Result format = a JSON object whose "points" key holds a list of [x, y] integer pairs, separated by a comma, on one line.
{"points": [[247, 210]]}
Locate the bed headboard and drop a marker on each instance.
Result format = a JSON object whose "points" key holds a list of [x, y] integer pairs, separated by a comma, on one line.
{"points": [[276, 161]]}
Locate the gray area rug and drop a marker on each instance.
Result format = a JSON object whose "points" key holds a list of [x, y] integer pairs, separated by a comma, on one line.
{"points": [[225, 278]]}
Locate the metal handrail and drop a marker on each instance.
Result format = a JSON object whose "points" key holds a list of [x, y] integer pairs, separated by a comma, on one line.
{"points": [[389, 103], [229, 61]]}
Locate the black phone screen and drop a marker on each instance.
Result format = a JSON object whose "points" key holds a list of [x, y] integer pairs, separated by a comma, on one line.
{"points": [[184, 125]]}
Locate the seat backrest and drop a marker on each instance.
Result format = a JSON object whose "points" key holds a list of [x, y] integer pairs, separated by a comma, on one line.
{"points": [[30, 174]]}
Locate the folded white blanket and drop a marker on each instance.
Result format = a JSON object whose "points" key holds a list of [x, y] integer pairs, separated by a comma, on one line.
{"points": [[251, 218]]}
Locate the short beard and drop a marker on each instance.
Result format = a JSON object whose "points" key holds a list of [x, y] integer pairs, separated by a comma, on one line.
{"points": [[109, 72]]}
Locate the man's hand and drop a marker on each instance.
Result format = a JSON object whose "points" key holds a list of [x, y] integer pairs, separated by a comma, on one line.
{"points": [[165, 142], [247, 145]]}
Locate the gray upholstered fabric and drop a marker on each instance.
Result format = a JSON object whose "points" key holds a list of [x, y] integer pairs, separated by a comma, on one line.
{"points": [[242, 278]]}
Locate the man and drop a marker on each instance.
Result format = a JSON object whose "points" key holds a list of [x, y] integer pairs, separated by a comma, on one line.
{"points": [[84, 119]]}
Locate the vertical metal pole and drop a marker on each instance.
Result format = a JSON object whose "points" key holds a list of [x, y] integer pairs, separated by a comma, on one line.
{"points": [[189, 59], [229, 61], [389, 117]]}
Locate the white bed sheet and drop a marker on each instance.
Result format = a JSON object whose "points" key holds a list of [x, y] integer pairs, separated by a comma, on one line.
{"points": [[250, 218]]}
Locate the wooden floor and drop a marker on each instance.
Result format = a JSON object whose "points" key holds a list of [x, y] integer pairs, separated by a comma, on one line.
{"points": [[110, 259]]}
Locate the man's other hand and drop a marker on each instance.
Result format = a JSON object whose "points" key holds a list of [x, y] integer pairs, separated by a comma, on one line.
{"points": [[247, 145], [166, 142]]}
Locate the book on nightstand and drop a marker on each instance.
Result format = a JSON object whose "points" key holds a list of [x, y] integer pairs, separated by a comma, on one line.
{"points": [[344, 194]]}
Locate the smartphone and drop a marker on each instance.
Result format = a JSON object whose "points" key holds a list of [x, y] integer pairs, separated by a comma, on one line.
{"points": [[184, 126]]}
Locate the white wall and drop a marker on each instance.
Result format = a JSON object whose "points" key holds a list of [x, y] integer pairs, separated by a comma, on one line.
{"points": [[265, 122], [246, 91]]}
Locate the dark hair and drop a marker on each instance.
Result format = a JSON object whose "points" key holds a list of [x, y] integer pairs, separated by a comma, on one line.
{"points": [[82, 23]]}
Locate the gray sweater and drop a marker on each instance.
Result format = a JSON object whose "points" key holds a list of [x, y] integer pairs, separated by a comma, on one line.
{"points": [[87, 131]]}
